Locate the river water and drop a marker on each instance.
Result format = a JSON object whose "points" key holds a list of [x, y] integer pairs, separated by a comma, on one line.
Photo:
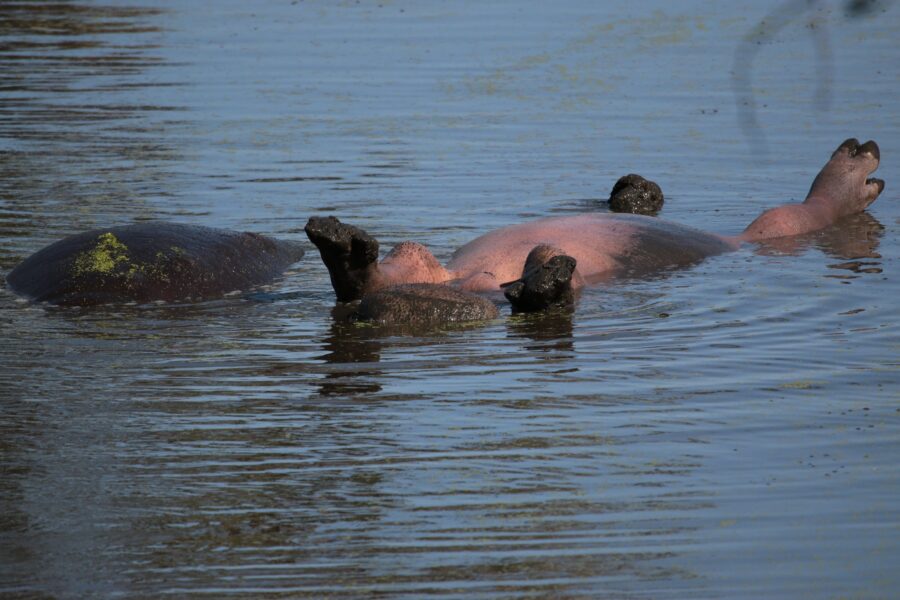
{"points": [[726, 431]]}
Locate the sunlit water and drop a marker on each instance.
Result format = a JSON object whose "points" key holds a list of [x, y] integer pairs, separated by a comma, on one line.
{"points": [[730, 430]]}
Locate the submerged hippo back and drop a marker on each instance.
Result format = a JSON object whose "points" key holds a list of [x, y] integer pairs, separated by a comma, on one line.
{"points": [[150, 262], [659, 244]]}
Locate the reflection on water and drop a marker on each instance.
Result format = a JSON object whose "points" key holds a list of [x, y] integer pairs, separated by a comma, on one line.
{"points": [[727, 430], [855, 236], [353, 352], [852, 240], [550, 330]]}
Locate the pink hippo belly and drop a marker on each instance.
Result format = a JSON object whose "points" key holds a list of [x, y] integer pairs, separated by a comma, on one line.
{"points": [[604, 245]]}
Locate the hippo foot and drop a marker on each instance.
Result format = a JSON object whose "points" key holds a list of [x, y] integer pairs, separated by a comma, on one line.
{"points": [[350, 254], [634, 194], [843, 180], [546, 284], [423, 304]]}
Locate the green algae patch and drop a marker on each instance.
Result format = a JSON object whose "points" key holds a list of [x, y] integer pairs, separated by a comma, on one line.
{"points": [[104, 258], [110, 257], [135, 272], [161, 267]]}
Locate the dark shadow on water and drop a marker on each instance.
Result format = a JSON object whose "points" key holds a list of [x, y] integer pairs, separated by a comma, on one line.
{"points": [[549, 331], [808, 14], [352, 350]]}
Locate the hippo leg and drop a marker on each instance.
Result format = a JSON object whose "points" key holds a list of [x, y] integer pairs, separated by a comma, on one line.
{"points": [[349, 253], [547, 280], [351, 256], [634, 194], [841, 188]]}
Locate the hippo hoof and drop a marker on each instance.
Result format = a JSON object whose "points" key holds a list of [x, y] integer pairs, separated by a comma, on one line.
{"points": [[349, 253], [852, 147], [843, 179], [634, 194], [548, 284], [421, 304], [330, 235]]}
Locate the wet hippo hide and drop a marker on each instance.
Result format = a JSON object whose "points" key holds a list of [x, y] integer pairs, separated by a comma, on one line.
{"points": [[149, 262], [660, 245]]}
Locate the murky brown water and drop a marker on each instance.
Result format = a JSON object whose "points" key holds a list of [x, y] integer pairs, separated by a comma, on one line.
{"points": [[731, 430]]}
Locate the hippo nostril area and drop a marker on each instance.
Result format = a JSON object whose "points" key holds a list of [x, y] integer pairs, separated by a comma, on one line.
{"points": [[871, 148]]}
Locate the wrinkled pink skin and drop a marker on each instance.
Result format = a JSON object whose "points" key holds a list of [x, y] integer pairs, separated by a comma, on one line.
{"points": [[605, 243], [499, 256], [841, 188]]}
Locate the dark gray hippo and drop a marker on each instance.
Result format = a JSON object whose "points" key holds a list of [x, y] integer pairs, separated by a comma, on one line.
{"points": [[149, 262]]}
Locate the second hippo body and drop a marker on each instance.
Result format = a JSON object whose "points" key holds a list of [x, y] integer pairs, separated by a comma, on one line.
{"points": [[149, 262]]}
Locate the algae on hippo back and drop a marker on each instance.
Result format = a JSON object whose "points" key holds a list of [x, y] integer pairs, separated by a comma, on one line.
{"points": [[110, 257], [104, 257]]}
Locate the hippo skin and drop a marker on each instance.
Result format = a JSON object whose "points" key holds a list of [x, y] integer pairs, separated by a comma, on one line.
{"points": [[150, 262]]}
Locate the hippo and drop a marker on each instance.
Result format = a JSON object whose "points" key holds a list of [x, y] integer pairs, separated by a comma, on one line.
{"points": [[151, 262], [539, 264]]}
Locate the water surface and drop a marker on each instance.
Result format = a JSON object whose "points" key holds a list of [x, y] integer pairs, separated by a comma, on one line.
{"points": [[729, 430]]}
